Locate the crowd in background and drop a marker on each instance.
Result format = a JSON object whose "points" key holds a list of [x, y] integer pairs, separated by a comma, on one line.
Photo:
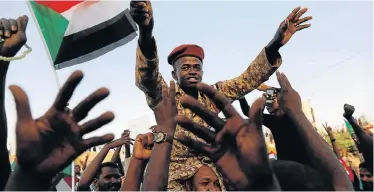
{"points": [[191, 148]]}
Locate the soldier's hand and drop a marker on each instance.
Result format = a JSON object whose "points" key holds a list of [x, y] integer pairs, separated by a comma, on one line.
{"points": [[142, 13]]}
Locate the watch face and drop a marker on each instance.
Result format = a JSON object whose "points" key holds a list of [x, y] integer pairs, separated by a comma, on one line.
{"points": [[159, 137]]}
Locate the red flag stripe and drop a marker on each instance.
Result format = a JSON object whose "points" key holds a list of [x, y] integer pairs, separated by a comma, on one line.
{"points": [[59, 6]]}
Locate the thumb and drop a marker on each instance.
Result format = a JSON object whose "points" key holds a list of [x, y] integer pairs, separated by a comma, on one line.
{"points": [[257, 111], [22, 103], [285, 25], [22, 23]]}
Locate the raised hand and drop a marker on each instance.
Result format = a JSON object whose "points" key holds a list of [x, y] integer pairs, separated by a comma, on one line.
{"points": [[49, 143], [142, 13], [289, 100], [14, 34], [143, 147], [119, 142], [290, 25], [327, 128], [166, 110], [237, 146], [348, 111]]}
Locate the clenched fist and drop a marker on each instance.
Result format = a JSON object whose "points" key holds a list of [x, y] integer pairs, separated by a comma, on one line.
{"points": [[14, 34], [142, 13]]}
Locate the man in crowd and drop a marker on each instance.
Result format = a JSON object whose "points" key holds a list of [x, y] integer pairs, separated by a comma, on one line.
{"points": [[108, 177], [366, 177], [187, 62]]}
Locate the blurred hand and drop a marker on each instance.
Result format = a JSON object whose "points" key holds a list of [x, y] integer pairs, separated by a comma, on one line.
{"points": [[48, 144], [237, 145], [289, 99], [166, 110]]}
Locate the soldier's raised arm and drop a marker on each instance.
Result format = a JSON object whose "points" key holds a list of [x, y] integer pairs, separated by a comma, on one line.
{"points": [[147, 75]]}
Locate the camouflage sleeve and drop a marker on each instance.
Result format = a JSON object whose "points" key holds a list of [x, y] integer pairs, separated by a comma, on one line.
{"points": [[148, 78], [258, 72]]}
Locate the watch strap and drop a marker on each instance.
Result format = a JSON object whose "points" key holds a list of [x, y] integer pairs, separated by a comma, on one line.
{"points": [[169, 138]]}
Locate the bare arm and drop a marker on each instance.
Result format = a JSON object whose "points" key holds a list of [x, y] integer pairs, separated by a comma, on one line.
{"points": [[363, 137], [134, 175], [335, 147], [322, 158], [84, 164], [244, 106], [89, 173], [156, 177], [259, 71], [116, 159], [4, 156]]}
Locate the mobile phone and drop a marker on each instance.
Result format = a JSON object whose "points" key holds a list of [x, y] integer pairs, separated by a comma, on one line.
{"points": [[270, 94]]}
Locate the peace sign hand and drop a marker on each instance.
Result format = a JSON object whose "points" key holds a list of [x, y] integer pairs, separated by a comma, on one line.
{"points": [[48, 144]]}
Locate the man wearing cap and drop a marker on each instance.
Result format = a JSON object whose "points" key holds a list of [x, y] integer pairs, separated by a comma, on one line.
{"points": [[187, 62]]}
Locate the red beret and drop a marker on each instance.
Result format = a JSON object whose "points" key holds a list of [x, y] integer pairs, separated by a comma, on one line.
{"points": [[186, 50]]}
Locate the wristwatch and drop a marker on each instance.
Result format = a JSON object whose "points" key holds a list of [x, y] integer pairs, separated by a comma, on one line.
{"points": [[160, 137]]}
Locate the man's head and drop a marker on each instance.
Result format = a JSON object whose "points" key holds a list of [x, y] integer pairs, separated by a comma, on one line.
{"points": [[187, 62], [108, 177], [366, 177], [77, 169], [205, 180]]}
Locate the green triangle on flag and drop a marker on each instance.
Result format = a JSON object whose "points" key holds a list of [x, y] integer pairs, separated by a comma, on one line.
{"points": [[349, 127], [77, 31], [67, 170], [52, 25]]}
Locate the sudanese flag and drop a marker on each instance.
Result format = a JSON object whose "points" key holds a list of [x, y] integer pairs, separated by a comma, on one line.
{"points": [[78, 31]]}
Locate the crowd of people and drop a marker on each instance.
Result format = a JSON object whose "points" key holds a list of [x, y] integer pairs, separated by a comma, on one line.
{"points": [[191, 148]]}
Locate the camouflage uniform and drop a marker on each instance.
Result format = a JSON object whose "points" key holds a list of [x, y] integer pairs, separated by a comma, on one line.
{"points": [[184, 162]]}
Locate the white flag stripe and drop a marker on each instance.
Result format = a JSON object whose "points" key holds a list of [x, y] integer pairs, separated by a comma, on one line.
{"points": [[89, 14]]}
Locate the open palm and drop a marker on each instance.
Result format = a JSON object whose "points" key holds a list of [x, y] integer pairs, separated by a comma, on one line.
{"points": [[48, 144]]}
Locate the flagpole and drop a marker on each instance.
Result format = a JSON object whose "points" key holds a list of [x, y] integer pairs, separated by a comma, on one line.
{"points": [[45, 44]]}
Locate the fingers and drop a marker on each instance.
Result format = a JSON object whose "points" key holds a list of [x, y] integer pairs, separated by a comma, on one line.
{"points": [[208, 116], [257, 111], [283, 81], [292, 15], [303, 20], [223, 103], [197, 129], [301, 27], [96, 123], [67, 90], [139, 9], [300, 13], [82, 109], [149, 141], [195, 145], [95, 141], [13, 25], [165, 90], [146, 140], [6, 27], [22, 103], [22, 23], [172, 90]]}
